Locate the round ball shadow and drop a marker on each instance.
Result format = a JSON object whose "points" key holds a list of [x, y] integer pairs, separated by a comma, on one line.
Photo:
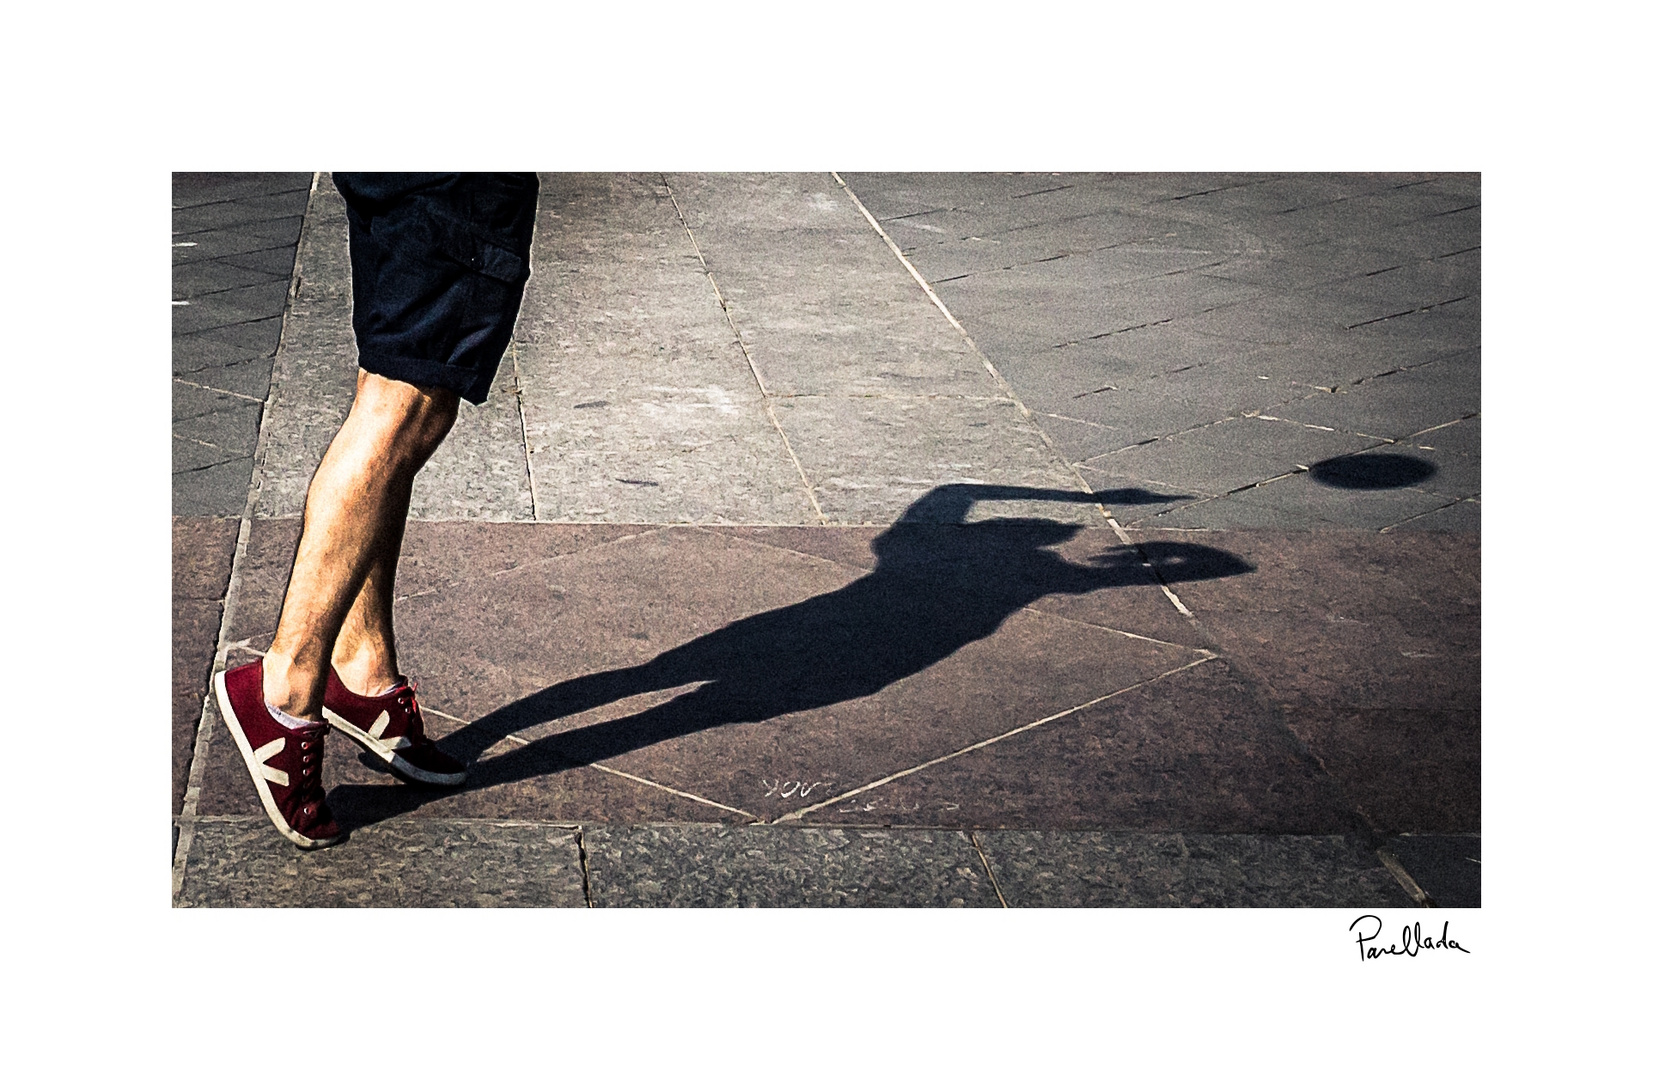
{"points": [[1368, 472]]}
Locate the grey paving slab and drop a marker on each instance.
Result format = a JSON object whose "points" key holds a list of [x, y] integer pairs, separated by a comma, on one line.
{"points": [[198, 188], [479, 473], [230, 306], [1447, 868], [248, 378], [228, 431], [249, 209], [1436, 235], [1269, 320], [1436, 471], [1055, 302], [195, 279], [235, 341], [1338, 359], [879, 434], [205, 351], [244, 862], [1226, 456], [213, 437], [871, 458], [254, 238], [1451, 323], [1076, 439], [1123, 360], [1461, 516], [758, 866], [1280, 271], [1099, 869], [639, 405], [838, 314], [943, 260], [1297, 502], [212, 488], [1414, 285], [1459, 437], [1138, 410]]}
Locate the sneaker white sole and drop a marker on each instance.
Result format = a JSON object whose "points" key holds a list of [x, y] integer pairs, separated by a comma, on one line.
{"points": [[245, 745], [397, 762]]}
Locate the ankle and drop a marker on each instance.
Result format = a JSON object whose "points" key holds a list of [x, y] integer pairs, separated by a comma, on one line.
{"points": [[367, 676], [283, 690]]}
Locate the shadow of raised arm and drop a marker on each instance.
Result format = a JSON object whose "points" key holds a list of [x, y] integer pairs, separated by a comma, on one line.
{"points": [[950, 504]]}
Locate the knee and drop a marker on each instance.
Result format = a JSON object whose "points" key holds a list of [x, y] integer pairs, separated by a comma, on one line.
{"points": [[410, 420]]}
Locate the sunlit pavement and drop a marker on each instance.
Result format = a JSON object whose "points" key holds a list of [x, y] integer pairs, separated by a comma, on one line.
{"points": [[923, 540]]}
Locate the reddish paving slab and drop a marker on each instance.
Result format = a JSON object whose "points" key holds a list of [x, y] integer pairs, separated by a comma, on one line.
{"points": [[1196, 751], [1142, 611], [726, 663], [202, 551], [1371, 645], [361, 793], [1407, 770]]}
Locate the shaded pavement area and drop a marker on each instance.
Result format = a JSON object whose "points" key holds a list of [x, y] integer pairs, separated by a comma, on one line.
{"points": [[926, 540]]}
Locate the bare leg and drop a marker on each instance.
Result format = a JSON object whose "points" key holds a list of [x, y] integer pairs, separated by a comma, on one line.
{"points": [[354, 516], [365, 653]]}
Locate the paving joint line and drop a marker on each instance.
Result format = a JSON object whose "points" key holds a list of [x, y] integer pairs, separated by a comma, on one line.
{"points": [[232, 592], [1455, 502], [799, 813], [1005, 388], [215, 390], [1406, 881], [755, 819], [236, 199], [740, 341], [585, 866], [204, 468], [1032, 610], [992, 879], [648, 529], [522, 419]]}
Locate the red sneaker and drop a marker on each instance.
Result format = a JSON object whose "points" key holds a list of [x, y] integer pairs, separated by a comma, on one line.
{"points": [[391, 727], [285, 762]]}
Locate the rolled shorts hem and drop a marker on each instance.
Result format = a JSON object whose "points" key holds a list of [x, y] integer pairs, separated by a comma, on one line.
{"points": [[472, 384]]}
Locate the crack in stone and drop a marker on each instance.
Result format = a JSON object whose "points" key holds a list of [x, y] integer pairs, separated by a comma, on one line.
{"points": [[214, 465], [1411, 311]]}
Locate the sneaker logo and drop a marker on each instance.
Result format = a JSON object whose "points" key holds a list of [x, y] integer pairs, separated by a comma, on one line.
{"points": [[265, 753], [378, 730], [374, 734]]}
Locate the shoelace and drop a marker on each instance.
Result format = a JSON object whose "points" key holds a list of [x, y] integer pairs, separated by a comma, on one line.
{"points": [[308, 788], [410, 705]]}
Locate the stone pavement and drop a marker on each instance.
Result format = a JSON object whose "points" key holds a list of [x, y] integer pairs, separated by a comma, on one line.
{"points": [[924, 540]]}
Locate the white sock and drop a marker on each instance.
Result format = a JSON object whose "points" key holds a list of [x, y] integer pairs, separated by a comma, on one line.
{"points": [[285, 720]]}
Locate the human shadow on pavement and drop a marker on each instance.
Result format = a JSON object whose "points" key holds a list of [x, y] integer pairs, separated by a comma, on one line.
{"points": [[940, 583]]}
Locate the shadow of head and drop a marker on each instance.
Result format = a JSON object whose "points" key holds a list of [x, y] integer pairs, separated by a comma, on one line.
{"points": [[1178, 561], [1370, 472]]}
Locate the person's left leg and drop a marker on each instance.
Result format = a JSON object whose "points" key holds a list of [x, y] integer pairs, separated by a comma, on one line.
{"points": [[364, 656]]}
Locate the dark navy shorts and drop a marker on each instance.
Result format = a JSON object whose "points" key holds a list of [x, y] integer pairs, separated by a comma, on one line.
{"points": [[438, 262]]}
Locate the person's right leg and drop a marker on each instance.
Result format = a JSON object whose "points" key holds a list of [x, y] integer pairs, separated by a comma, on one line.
{"points": [[354, 511]]}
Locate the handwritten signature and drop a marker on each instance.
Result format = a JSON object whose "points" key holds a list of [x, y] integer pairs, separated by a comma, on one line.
{"points": [[1412, 940]]}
